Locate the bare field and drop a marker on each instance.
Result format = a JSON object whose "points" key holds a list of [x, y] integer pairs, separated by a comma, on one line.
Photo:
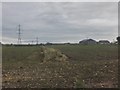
{"points": [[60, 66]]}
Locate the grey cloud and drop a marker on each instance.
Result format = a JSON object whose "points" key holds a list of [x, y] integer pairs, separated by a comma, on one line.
{"points": [[55, 21]]}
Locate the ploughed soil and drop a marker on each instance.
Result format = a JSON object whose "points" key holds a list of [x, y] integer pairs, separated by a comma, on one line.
{"points": [[49, 68]]}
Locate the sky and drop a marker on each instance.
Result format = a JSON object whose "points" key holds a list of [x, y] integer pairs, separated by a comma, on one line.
{"points": [[59, 22], [0, 22]]}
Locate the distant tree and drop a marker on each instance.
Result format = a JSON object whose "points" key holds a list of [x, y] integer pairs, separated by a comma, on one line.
{"points": [[48, 43], [11, 44], [118, 39]]}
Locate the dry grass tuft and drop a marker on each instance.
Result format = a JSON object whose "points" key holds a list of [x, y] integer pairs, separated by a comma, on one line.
{"points": [[45, 54]]}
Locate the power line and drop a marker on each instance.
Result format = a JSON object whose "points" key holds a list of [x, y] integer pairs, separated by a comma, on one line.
{"points": [[32, 41], [19, 36]]}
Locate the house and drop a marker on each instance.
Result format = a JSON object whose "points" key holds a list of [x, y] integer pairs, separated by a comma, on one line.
{"points": [[104, 42], [88, 41]]}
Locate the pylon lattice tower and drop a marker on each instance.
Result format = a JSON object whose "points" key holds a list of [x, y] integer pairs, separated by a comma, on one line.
{"points": [[36, 40], [19, 34]]}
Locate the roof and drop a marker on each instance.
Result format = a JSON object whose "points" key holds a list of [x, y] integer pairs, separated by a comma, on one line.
{"points": [[104, 41], [88, 40]]}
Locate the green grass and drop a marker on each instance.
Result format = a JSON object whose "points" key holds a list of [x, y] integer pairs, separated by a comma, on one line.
{"points": [[89, 66], [89, 52]]}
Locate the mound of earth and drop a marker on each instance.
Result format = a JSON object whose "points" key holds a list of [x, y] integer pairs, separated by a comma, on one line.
{"points": [[45, 54]]}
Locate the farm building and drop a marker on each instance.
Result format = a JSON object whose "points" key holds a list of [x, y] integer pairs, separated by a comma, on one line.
{"points": [[88, 41], [104, 42]]}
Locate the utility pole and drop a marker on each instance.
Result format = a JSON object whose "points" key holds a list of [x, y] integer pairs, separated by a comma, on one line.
{"points": [[37, 40], [19, 34]]}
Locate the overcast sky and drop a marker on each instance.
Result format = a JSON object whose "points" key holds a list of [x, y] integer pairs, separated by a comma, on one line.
{"points": [[59, 21]]}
